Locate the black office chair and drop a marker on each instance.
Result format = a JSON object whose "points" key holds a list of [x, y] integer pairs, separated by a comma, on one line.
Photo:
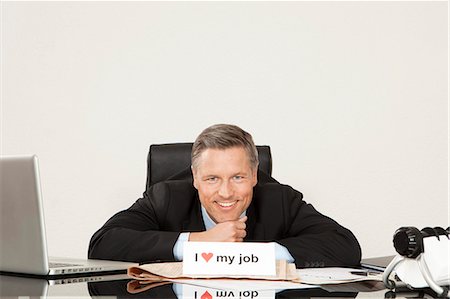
{"points": [[167, 160]]}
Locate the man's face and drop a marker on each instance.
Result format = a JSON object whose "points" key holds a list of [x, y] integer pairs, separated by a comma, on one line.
{"points": [[224, 180]]}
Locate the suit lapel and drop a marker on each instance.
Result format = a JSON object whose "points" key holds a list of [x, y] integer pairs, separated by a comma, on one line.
{"points": [[255, 230], [195, 222]]}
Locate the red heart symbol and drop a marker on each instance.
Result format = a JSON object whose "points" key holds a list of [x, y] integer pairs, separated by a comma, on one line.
{"points": [[206, 295], [207, 256]]}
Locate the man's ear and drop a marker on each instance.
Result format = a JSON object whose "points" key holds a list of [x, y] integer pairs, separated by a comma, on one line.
{"points": [[255, 176], [194, 177]]}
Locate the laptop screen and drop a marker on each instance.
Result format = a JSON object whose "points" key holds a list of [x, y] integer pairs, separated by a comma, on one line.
{"points": [[22, 229]]}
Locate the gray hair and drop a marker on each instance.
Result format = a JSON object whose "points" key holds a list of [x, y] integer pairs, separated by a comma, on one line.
{"points": [[224, 136]]}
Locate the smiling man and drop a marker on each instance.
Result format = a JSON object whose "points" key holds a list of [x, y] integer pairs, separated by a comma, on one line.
{"points": [[224, 180], [225, 199]]}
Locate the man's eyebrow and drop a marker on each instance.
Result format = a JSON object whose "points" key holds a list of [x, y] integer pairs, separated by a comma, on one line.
{"points": [[241, 173], [209, 175]]}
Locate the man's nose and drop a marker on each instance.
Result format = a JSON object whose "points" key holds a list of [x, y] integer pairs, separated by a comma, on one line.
{"points": [[225, 190]]}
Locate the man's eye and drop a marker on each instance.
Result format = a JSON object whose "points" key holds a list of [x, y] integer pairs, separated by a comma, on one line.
{"points": [[238, 177], [211, 180]]}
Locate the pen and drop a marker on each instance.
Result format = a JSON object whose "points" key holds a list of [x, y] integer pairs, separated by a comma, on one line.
{"points": [[364, 273]]}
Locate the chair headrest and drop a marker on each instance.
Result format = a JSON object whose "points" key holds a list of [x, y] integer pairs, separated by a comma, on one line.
{"points": [[166, 160]]}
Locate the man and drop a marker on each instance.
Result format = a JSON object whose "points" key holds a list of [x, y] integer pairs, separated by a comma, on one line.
{"points": [[228, 201]]}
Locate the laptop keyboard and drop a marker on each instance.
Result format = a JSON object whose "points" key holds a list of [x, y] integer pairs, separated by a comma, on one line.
{"points": [[60, 265]]}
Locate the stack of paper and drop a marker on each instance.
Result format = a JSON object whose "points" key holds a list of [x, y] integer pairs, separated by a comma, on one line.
{"points": [[334, 275], [164, 271]]}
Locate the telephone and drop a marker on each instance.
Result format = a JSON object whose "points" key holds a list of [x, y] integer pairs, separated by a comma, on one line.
{"points": [[423, 259]]}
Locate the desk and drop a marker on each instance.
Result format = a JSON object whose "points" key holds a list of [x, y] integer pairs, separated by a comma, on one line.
{"points": [[116, 286]]}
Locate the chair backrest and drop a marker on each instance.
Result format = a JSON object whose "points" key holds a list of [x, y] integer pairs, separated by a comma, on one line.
{"points": [[167, 160]]}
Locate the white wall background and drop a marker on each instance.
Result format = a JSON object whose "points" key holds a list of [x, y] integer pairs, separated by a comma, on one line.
{"points": [[352, 97]]}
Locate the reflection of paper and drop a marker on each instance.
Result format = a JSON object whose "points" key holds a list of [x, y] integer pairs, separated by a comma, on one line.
{"points": [[244, 285], [192, 291], [136, 286], [335, 275]]}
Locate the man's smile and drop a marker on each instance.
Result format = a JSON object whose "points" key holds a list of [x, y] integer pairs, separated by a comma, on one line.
{"points": [[226, 204]]}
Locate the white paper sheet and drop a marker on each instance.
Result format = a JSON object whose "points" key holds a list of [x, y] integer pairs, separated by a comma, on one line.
{"points": [[335, 275]]}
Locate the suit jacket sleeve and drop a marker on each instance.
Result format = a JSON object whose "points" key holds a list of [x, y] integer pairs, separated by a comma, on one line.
{"points": [[137, 234], [314, 240]]}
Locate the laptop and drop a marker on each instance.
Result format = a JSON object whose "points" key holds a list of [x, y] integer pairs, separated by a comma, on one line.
{"points": [[23, 246], [377, 263]]}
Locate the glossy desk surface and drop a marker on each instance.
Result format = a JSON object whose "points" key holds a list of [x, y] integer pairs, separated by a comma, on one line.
{"points": [[116, 286]]}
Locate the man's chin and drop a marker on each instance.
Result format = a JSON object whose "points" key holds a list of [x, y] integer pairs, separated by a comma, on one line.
{"points": [[225, 218], [233, 214]]}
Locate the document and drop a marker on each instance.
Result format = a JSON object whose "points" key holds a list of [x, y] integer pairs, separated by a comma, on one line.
{"points": [[174, 270], [336, 275]]}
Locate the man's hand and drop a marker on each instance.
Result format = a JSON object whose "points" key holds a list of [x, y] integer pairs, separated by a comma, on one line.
{"points": [[229, 231]]}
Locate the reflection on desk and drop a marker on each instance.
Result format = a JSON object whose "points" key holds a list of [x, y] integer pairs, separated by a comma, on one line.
{"points": [[13, 286], [119, 288], [116, 286]]}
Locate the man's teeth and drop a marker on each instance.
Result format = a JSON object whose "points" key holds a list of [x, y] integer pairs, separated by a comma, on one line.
{"points": [[226, 204]]}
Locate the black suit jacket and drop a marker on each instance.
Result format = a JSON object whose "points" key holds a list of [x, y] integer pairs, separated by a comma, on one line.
{"points": [[148, 230]]}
